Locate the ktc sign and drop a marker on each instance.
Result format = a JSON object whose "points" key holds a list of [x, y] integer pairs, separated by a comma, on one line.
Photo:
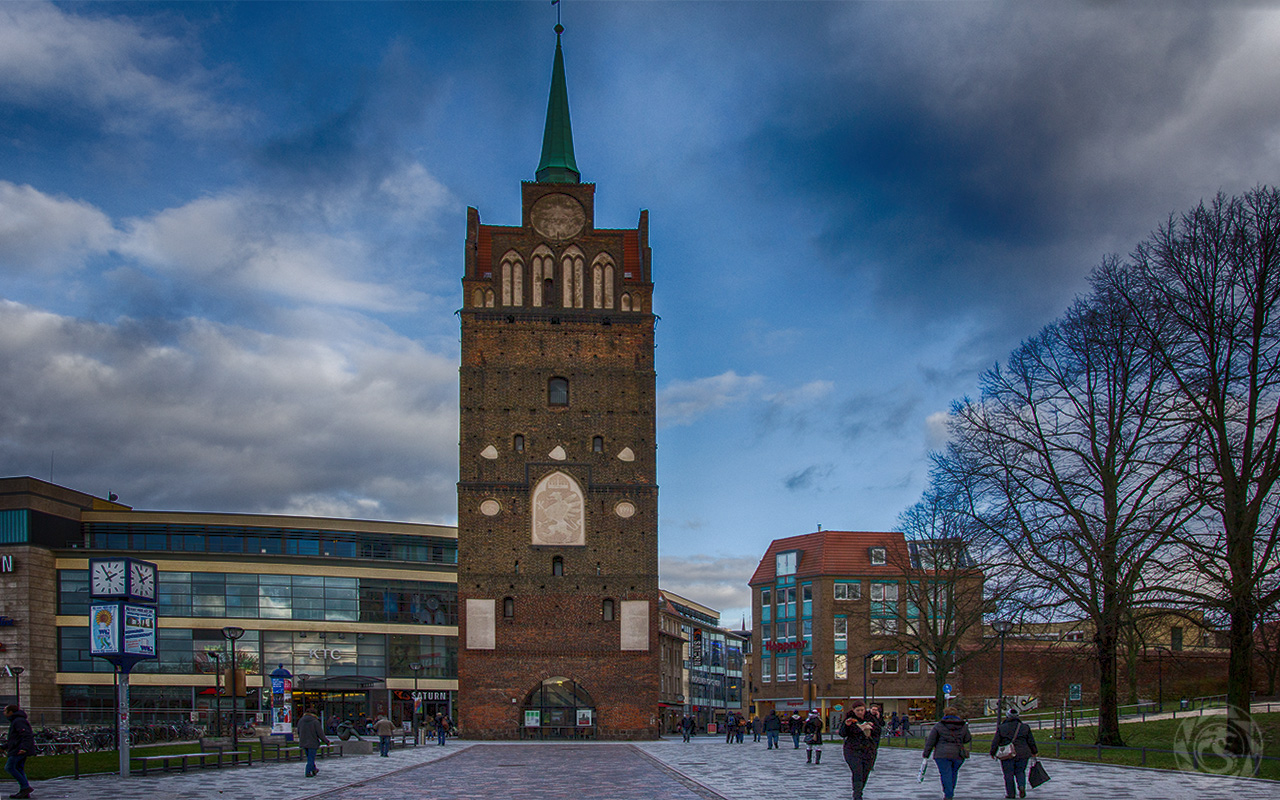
{"points": [[325, 654]]}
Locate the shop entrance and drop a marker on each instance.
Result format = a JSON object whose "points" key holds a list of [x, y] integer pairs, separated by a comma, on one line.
{"points": [[559, 708], [334, 706]]}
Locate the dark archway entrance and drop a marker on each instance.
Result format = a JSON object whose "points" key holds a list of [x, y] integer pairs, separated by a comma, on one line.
{"points": [[558, 708]]}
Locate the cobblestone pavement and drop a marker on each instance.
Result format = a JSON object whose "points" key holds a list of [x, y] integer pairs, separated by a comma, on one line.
{"points": [[750, 771], [705, 769]]}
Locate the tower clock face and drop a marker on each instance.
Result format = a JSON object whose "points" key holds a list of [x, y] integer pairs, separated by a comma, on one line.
{"points": [[142, 580], [107, 578]]}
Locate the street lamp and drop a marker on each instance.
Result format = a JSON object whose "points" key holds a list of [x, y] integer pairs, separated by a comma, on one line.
{"points": [[1002, 628], [232, 633], [808, 676], [865, 659], [17, 682], [417, 668], [217, 688], [873, 690]]}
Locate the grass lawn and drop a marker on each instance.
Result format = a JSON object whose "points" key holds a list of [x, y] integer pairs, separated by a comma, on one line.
{"points": [[1154, 734], [45, 767]]}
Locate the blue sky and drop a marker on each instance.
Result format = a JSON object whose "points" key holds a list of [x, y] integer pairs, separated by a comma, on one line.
{"points": [[231, 234]]}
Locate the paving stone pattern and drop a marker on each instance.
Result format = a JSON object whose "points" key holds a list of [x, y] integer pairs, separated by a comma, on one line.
{"points": [[705, 769]]}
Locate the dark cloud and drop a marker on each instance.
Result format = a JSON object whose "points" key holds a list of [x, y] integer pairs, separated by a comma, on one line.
{"points": [[809, 477]]}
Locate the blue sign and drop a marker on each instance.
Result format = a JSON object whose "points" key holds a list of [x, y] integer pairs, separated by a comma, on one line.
{"points": [[946, 687]]}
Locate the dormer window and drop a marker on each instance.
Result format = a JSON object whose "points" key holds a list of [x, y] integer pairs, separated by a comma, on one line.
{"points": [[786, 563], [878, 556]]}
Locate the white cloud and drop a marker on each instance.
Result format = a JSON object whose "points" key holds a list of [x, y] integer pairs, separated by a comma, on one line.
{"points": [[683, 402], [719, 582], [936, 430], [208, 416], [117, 68], [44, 234]]}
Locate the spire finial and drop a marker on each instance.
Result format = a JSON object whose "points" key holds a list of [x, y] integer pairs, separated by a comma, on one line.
{"points": [[557, 164]]}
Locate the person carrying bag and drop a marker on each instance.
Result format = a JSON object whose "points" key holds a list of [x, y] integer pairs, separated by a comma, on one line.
{"points": [[1014, 745]]}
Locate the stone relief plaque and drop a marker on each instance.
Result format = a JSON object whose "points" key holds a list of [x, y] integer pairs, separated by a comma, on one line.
{"points": [[558, 511], [558, 453], [625, 509], [558, 217], [489, 452], [490, 508], [481, 624], [635, 624], [627, 454]]}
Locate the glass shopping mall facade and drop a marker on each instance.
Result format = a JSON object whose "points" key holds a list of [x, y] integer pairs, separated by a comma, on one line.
{"points": [[349, 607]]}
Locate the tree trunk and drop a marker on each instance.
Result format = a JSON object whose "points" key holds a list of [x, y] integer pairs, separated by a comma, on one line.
{"points": [[1108, 687], [1240, 681]]}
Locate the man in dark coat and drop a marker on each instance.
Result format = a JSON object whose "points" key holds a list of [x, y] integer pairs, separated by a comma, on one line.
{"points": [[21, 744], [772, 727], [310, 737], [686, 726]]}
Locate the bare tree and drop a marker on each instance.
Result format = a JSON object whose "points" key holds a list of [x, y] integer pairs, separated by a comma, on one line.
{"points": [[1205, 289], [1073, 463], [948, 585]]}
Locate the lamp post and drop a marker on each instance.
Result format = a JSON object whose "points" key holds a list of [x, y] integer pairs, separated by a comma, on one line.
{"points": [[17, 682], [808, 676], [873, 690], [1002, 628], [865, 659], [217, 688], [301, 694], [417, 668], [232, 633]]}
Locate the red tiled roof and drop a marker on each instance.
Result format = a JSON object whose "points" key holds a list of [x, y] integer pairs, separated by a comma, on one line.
{"points": [[837, 553], [631, 253]]}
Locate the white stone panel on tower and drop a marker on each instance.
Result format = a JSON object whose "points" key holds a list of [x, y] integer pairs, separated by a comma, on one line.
{"points": [[635, 624], [558, 453], [481, 624], [559, 511], [627, 454], [489, 452]]}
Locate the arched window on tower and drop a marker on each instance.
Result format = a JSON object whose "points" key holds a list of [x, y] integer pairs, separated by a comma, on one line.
{"points": [[517, 443], [488, 298], [572, 266], [606, 610], [626, 302], [602, 282], [542, 273], [557, 565], [597, 444], [477, 298], [508, 607], [558, 392], [512, 279]]}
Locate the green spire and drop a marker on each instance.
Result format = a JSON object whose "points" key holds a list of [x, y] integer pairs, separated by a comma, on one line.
{"points": [[557, 164]]}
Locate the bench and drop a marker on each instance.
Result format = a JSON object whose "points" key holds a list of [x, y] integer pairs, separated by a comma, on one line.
{"points": [[286, 751], [185, 759]]}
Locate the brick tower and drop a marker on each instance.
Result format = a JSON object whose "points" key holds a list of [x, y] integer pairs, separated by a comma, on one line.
{"points": [[557, 492]]}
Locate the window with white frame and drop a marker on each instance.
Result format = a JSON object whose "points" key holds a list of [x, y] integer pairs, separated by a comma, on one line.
{"points": [[913, 663], [841, 667], [766, 669], [848, 590], [878, 556], [786, 668], [786, 563], [884, 626], [884, 664], [841, 628], [766, 605]]}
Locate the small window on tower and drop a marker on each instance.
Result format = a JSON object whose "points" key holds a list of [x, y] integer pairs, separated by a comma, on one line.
{"points": [[558, 392], [508, 607], [606, 609], [557, 566], [597, 444], [517, 443]]}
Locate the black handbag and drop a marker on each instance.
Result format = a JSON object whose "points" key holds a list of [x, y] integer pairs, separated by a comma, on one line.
{"points": [[1037, 775]]}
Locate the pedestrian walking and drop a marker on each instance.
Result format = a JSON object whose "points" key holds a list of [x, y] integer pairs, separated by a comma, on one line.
{"points": [[948, 741], [875, 714], [813, 737], [686, 726], [443, 725], [772, 729], [796, 727], [728, 728], [859, 747], [1014, 745], [20, 745], [310, 737], [757, 726], [893, 724], [740, 731], [384, 728]]}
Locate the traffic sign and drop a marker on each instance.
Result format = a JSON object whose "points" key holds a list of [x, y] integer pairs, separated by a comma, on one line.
{"points": [[946, 687]]}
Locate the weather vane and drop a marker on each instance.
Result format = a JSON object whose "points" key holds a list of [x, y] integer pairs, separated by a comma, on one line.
{"points": [[559, 27]]}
